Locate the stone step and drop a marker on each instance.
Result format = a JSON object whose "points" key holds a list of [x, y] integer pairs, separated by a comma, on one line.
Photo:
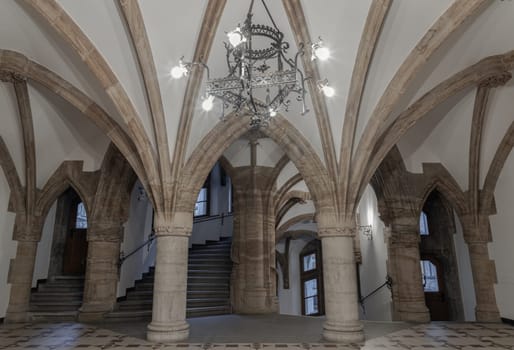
{"points": [[52, 317], [148, 294], [55, 296], [146, 315], [191, 303], [49, 306], [207, 273], [60, 288], [69, 278]]}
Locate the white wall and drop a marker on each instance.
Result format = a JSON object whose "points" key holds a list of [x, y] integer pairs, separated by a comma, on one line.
{"points": [[137, 229], [373, 269], [465, 275], [290, 300], [7, 245], [500, 250], [44, 247]]}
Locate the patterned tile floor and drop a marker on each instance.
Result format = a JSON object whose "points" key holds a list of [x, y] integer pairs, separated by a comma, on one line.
{"points": [[463, 336]]}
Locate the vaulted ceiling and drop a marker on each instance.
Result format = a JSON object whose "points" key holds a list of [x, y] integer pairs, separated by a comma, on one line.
{"points": [[406, 72]]}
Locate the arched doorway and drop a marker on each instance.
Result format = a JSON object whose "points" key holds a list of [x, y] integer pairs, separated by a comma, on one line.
{"points": [[438, 260], [69, 244]]}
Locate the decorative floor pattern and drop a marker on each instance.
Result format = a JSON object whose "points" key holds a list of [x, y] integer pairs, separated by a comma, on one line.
{"points": [[61, 336]]}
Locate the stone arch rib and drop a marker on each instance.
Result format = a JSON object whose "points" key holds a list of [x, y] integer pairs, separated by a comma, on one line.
{"points": [[13, 179], [54, 15], [370, 35], [15, 62], [300, 30], [69, 174], [489, 69], [136, 25], [451, 20], [282, 132], [502, 153]]}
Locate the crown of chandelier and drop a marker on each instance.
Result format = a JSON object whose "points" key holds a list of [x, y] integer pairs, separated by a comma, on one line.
{"points": [[260, 81]]}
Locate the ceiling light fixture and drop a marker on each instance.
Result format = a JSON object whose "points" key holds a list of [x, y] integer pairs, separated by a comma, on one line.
{"points": [[260, 80]]}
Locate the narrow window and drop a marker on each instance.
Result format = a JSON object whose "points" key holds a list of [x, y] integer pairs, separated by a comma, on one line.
{"points": [[429, 276], [81, 218], [423, 224], [311, 277], [202, 203]]}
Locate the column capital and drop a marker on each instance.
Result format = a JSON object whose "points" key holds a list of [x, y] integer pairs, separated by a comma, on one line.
{"points": [[105, 233], [346, 231], [180, 224], [28, 227]]}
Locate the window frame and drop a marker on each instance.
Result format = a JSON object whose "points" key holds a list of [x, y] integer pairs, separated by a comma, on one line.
{"points": [[314, 247], [207, 201]]}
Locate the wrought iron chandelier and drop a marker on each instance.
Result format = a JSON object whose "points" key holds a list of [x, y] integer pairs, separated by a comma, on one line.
{"points": [[260, 81]]}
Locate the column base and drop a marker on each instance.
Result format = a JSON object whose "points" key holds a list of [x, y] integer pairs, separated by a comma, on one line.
{"points": [[487, 315], [92, 313], [414, 312], [168, 332], [256, 301], [350, 332], [17, 317]]}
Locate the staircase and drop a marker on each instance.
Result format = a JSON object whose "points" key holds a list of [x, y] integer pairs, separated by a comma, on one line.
{"points": [[57, 299], [208, 285]]}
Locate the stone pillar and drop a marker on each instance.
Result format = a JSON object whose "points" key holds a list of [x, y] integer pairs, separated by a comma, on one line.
{"points": [[254, 291], [477, 235], [27, 231], [340, 282], [101, 271], [170, 286], [405, 271]]}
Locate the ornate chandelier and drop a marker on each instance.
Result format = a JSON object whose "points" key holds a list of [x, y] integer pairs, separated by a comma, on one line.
{"points": [[260, 80]]}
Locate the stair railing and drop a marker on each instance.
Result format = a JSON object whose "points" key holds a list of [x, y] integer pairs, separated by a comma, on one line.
{"points": [[211, 218], [388, 283], [148, 242]]}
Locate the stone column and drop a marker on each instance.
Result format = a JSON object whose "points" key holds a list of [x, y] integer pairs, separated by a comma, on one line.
{"points": [[170, 286], [477, 235], [253, 291], [340, 281], [27, 231], [101, 271], [405, 270]]}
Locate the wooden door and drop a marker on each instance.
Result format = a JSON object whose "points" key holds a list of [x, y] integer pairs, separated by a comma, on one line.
{"points": [[75, 252]]}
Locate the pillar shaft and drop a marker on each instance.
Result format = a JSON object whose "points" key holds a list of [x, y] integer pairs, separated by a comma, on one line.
{"points": [[484, 278], [101, 273], [253, 291], [340, 282], [170, 285], [477, 235], [404, 267], [20, 278]]}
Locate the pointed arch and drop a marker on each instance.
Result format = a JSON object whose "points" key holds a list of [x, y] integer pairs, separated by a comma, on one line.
{"points": [[69, 174], [15, 62], [283, 133]]}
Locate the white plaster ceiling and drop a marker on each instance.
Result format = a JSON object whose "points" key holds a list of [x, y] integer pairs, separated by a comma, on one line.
{"points": [[173, 28]]}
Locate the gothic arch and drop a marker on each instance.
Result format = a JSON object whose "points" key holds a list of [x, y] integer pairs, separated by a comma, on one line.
{"points": [[69, 174], [282, 132]]}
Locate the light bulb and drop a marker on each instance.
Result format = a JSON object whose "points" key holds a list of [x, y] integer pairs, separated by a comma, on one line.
{"points": [[208, 103], [236, 37], [323, 53], [178, 72], [272, 112], [328, 91]]}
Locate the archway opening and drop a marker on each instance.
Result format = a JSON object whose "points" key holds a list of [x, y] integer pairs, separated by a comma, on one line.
{"points": [[439, 266]]}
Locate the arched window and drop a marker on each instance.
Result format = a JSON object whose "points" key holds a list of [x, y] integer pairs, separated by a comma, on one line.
{"points": [[81, 217], [423, 224]]}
